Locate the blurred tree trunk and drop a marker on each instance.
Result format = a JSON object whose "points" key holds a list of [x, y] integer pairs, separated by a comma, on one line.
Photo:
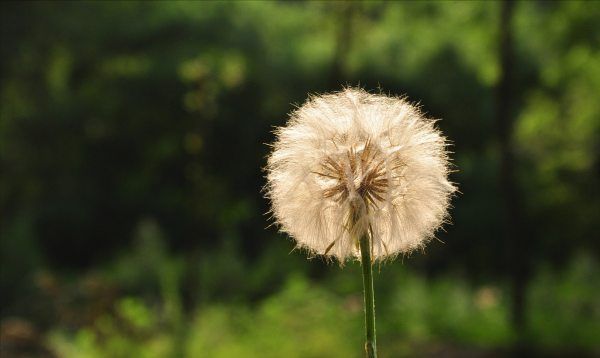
{"points": [[517, 242], [344, 21]]}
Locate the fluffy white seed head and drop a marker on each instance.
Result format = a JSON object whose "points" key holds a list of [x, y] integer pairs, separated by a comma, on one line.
{"points": [[353, 163]]}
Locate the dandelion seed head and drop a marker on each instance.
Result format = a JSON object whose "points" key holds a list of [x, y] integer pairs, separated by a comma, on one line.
{"points": [[353, 163]]}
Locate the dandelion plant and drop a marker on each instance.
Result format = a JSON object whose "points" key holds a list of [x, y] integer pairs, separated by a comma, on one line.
{"points": [[355, 175]]}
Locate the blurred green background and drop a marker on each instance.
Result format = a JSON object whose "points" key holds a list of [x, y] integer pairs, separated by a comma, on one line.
{"points": [[132, 137]]}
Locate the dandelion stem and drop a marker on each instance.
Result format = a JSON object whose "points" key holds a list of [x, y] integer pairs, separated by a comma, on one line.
{"points": [[367, 272]]}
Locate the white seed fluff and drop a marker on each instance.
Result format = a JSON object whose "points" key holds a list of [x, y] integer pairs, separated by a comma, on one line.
{"points": [[353, 163]]}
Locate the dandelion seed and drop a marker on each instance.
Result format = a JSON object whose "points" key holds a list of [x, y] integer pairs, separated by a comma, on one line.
{"points": [[352, 163], [357, 175]]}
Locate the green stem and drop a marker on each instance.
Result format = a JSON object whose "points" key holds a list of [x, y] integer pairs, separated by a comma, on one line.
{"points": [[367, 272]]}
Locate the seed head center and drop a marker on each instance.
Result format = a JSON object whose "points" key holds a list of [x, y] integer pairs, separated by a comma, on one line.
{"points": [[358, 171]]}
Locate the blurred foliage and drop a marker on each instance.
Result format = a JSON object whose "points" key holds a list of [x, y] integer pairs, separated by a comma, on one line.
{"points": [[131, 146], [310, 320]]}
